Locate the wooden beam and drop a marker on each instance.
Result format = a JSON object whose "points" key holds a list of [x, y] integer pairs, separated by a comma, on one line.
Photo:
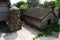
{"points": [[4, 0]]}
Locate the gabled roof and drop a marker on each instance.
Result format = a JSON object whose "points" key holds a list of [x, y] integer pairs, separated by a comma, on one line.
{"points": [[39, 13]]}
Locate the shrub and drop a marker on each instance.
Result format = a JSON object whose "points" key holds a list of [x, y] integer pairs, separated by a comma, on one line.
{"points": [[49, 31], [24, 6]]}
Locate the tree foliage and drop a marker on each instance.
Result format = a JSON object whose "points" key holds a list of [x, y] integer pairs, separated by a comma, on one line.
{"points": [[33, 3], [57, 3], [49, 4], [24, 6], [20, 3]]}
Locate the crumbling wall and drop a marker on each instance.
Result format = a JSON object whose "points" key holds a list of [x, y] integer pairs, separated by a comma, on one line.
{"points": [[14, 22]]}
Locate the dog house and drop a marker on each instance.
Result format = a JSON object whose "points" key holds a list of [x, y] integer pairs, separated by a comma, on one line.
{"points": [[40, 18], [14, 22]]}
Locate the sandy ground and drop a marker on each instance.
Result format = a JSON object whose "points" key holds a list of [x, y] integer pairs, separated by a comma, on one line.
{"points": [[26, 33]]}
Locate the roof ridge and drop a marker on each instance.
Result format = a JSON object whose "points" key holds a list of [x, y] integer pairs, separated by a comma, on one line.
{"points": [[38, 13]]}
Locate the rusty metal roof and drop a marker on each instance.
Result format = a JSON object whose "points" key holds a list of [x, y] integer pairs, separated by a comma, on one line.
{"points": [[39, 13]]}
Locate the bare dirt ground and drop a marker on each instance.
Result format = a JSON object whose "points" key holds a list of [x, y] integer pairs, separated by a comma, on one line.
{"points": [[26, 33]]}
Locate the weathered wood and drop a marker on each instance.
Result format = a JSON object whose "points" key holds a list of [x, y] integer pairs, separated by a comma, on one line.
{"points": [[40, 18], [4, 10], [4, 0]]}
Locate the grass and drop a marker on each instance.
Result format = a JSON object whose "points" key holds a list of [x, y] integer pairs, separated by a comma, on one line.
{"points": [[49, 31]]}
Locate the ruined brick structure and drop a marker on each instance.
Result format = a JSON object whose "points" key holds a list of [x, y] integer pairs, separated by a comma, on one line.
{"points": [[14, 22], [10, 16]]}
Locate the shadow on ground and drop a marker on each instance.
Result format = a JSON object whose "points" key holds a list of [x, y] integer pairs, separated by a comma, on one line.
{"points": [[8, 36], [13, 36], [36, 32], [5, 34], [30, 29]]}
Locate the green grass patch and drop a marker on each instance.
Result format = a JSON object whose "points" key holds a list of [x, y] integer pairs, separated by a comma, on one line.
{"points": [[49, 31]]}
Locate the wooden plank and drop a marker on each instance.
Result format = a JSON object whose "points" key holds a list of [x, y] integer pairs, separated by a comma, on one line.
{"points": [[3, 11], [4, 0]]}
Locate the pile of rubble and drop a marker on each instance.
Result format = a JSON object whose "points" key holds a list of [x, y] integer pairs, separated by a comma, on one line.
{"points": [[14, 22]]}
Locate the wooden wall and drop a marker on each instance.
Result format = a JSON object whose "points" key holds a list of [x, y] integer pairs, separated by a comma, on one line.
{"points": [[4, 0], [3, 11]]}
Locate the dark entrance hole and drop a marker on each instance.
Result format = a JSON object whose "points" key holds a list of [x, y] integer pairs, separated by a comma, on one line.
{"points": [[49, 22]]}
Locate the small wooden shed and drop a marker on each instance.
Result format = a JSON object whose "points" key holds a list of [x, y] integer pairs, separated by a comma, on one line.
{"points": [[40, 18]]}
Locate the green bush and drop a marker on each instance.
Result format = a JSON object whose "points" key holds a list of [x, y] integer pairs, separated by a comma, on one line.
{"points": [[24, 6], [49, 31]]}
